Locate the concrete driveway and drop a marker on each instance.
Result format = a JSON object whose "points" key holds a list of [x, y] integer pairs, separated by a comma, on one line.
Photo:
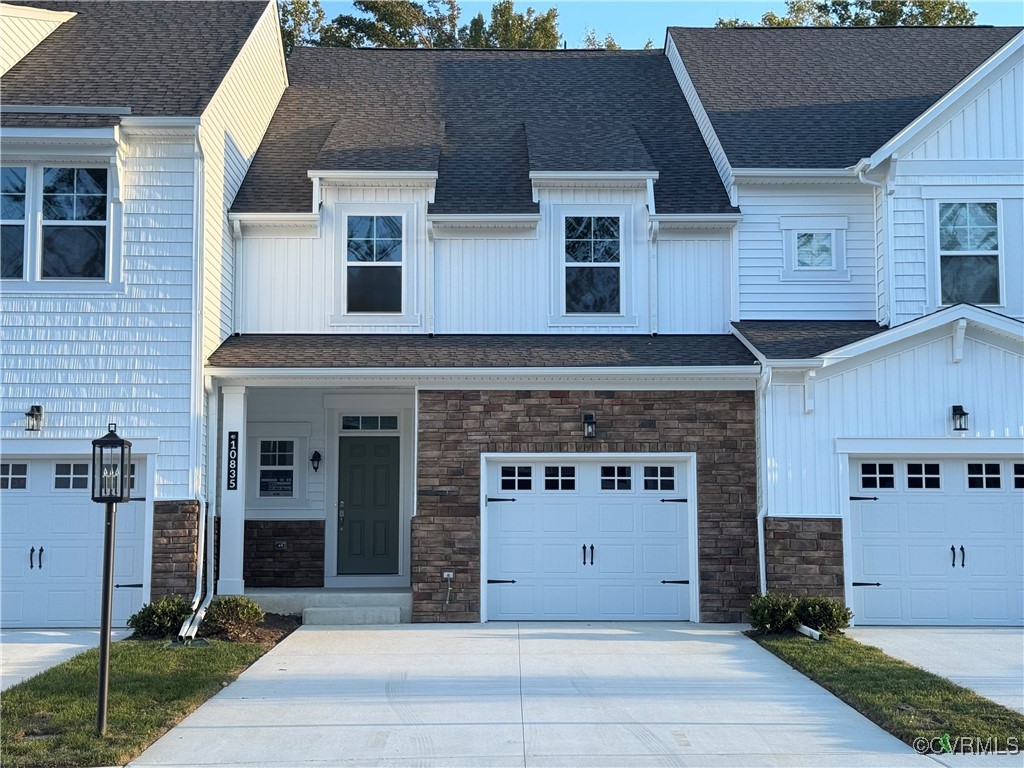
{"points": [[988, 660], [525, 695], [27, 652]]}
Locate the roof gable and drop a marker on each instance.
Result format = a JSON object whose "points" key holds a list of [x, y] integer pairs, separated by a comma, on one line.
{"points": [[824, 97], [157, 57]]}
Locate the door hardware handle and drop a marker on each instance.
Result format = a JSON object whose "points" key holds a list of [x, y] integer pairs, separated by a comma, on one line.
{"points": [[31, 558], [963, 555], [40, 558], [591, 554], [952, 549], [584, 554]]}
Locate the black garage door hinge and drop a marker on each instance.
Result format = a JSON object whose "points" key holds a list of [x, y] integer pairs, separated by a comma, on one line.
{"points": [[501, 581], [867, 584], [863, 498], [673, 501], [122, 586], [675, 581], [489, 499]]}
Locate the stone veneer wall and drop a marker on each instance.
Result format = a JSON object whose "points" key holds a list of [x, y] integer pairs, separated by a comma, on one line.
{"points": [[804, 556], [175, 537], [299, 564], [456, 427]]}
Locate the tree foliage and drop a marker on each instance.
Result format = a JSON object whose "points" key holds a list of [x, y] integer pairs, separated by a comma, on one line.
{"points": [[864, 13], [301, 22], [593, 42]]}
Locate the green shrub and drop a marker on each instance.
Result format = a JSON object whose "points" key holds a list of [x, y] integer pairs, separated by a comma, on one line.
{"points": [[161, 618], [772, 612], [233, 613], [825, 614]]}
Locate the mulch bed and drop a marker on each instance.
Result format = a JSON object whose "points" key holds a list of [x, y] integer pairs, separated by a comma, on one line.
{"points": [[275, 628]]}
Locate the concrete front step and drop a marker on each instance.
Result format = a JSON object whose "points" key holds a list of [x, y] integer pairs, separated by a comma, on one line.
{"points": [[348, 616], [351, 606]]}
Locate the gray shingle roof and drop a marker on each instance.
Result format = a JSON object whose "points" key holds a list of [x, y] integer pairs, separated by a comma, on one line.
{"points": [[484, 351], [159, 57], [799, 97], [804, 339], [505, 114]]}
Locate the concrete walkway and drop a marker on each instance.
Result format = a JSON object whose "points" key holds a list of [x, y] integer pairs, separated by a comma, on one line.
{"points": [[525, 695], [25, 653], [988, 660]]}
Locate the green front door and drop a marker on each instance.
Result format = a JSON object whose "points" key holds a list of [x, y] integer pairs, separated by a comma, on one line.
{"points": [[368, 493]]}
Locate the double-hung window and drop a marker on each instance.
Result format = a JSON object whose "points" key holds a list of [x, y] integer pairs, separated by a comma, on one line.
{"points": [[969, 253], [374, 261], [55, 223], [277, 469], [593, 265]]}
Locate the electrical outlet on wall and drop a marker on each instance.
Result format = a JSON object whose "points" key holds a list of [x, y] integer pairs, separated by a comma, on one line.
{"points": [[448, 575]]}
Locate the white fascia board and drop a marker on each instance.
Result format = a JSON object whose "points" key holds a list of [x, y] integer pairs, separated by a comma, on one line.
{"points": [[935, 111], [271, 219], [795, 364], [359, 176], [669, 222], [175, 127], [65, 109], [999, 324], [36, 14], [795, 175], [930, 446], [469, 220], [69, 446], [19, 136], [616, 176]]}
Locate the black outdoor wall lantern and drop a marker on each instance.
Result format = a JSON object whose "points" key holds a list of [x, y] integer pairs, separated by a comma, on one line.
{"points": [[34, 419], [589, 425], [960, 423], [315, 460]]}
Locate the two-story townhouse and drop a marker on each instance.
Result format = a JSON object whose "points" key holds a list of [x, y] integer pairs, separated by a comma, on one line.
{"points": [[880, 174], [127, 128], [488, 306]]}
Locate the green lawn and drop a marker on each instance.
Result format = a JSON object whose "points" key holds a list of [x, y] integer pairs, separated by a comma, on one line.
{"points": [[50, 720], [908, 702]]}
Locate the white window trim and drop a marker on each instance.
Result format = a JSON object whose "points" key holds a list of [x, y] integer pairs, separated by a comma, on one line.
{"points": [[626, 315], [792, 226], [340, 314], [935, 245], [31, 280]]}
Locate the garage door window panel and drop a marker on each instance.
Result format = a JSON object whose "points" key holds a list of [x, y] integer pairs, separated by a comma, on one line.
{"points": [[922, 476], [984, 476], [877, 475], [70, 476], [616, 478], [1018, 476], [659, 478], [13, 476], [560, 478], [517, 478]]}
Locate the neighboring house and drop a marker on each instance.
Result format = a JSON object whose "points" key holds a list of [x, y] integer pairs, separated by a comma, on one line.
{"points": [[126, 130], [584, 335]]}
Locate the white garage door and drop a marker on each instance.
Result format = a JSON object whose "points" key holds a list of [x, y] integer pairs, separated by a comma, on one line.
{"points": [[588, 539], [942, 544], [53, 546]]}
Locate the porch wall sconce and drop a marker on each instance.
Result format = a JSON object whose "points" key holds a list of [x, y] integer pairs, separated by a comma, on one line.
{"points": [[315, 460], [589, 425], [960, 423], [34, 419]]}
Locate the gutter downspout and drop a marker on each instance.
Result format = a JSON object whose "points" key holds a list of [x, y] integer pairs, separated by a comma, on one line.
{"points": [[763, 382], [887, 191]]}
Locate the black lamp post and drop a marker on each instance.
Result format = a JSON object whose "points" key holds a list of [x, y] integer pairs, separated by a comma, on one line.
{"points": [[111, 484]]}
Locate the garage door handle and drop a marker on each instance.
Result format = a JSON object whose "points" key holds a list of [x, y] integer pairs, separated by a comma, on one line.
{"points": [[584, 554], [591, 554], [32, 559], [952, 548], [40, 558], [963, 555]]}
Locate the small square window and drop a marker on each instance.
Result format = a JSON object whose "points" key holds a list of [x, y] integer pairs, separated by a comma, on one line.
{"points": [[617, 478], [70, 476], [516, 478], [877, 475], [923, 476], [13, 476], [389, 422], [559, 478], [814, 250], [1018, 475], [659, 478], [984, 475]]}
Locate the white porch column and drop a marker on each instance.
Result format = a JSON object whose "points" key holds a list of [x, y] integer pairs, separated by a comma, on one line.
{"points": [[232, 491]]}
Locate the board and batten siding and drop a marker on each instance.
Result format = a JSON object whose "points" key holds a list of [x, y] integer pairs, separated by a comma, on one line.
{"points": [[905, 393], [693, 283], [764, 295], [232, 127], [975, 152], [22, 29], [112, 356]]}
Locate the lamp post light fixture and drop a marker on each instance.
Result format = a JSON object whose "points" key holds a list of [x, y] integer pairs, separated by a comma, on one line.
{"points": [[960, 423], [589, 425], [111, 484], [315, 460], [34, 419]]}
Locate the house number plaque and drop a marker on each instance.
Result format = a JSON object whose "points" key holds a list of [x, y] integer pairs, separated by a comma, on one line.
{"points": [[232, 461]]}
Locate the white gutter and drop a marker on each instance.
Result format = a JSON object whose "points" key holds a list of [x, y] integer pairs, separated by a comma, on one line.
{"points": [[484, 374]]}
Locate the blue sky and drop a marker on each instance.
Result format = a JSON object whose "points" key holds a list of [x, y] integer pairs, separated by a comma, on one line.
{"points": [[632, 23]]}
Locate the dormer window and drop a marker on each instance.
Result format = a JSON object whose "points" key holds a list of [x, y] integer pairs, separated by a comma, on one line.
{"points": [[969, 253], [593, 268]]}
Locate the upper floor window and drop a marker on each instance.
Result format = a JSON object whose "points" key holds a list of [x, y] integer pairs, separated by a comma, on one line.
{"points": [[814, 248], [969, 252], [593, 273], [71, 242], [374, 263]]}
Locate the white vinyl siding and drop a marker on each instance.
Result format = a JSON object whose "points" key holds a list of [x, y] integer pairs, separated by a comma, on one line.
{"points": [[693, 284], [22, 29]]}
